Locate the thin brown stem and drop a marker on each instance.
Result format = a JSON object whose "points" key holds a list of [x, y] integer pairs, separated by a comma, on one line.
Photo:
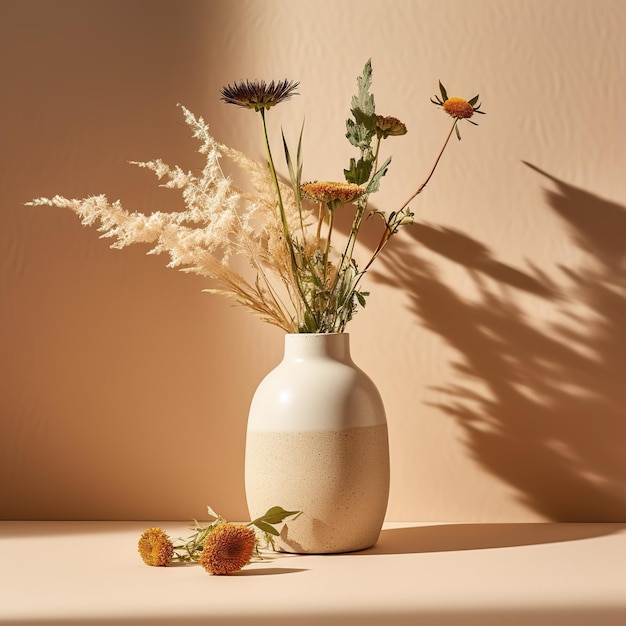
{"points": [[389, 231], [432, 171]]}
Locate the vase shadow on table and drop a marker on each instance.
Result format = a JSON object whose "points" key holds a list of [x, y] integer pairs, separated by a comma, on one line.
{"points": [[461, 537], [537, 392]]}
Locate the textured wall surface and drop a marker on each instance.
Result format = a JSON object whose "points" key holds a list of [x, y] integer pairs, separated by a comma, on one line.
{"points": [[496, 328]]}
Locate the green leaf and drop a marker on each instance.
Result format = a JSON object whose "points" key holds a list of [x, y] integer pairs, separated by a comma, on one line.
{"points": [[359, 171], [295, 174], [310, 324], [365, 118], [267, 528], [364, 100], [362, 129], [444, 93], [292, 174], [374, 184], [473, 101]]}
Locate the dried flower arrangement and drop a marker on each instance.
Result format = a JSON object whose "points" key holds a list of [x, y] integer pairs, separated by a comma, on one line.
{"points": [[300, 282], [221, 547]]}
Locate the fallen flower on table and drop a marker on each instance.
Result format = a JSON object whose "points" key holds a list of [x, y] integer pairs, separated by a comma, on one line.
{"points": [[228, 548], [155, 548], [221, 547]]}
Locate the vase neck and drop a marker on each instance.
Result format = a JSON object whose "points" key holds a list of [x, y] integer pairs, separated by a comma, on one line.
{"points": [[311, 345]]}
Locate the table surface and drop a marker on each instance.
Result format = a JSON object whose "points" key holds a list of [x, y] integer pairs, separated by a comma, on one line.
{"points": [[437, 574]]}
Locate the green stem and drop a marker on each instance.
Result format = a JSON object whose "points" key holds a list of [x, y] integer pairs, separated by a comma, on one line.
{"points": [[283, 216], [331, 218], [320, 219], [356, 224], [281, 207], [376, 155]]}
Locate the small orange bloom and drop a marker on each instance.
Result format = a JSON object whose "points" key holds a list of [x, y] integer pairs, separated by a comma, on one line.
{"points": [[458, 108], [155, 548]]}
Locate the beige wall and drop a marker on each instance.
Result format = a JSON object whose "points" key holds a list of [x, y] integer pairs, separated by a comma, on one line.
{"points": [[496, 326]]}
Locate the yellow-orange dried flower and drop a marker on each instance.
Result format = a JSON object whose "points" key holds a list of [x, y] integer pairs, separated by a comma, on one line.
{"points": [[331, 192], [228, 548], [458, 108], [155, 548]]}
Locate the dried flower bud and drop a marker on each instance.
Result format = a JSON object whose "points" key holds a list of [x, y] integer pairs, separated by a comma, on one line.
{"points": [[407, 217], [387, 126]]}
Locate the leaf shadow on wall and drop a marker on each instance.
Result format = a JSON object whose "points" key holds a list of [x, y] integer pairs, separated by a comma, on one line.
{"points": [[552, 419]]}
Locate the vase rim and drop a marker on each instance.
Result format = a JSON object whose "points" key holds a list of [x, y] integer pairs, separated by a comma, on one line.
{"points": [[334, 345]]}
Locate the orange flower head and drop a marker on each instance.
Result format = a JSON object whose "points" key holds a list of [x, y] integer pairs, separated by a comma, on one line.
{"points": [[155, 548], [228, 548], [458, 108]]}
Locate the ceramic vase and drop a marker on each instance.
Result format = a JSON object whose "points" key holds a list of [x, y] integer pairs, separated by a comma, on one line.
{"points": [[317, 443]]}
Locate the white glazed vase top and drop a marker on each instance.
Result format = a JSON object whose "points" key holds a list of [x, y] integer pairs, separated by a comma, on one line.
{"points": [[317, 442]]}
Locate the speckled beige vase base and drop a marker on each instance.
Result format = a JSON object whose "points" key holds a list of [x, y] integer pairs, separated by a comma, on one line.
{"points": [[339, 480]]}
